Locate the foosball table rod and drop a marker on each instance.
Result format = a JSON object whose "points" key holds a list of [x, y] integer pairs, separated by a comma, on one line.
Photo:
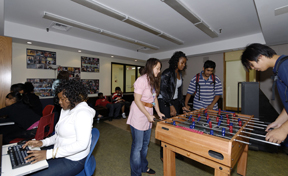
{"points": [[244, 142], [205, 122], [181, 122], [259, 140], [229, 113]]}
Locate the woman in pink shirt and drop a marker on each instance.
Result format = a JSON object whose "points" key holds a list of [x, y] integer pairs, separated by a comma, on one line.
{"points": [[146, 90]]}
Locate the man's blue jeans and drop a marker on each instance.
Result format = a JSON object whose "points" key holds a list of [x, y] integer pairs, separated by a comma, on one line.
{"points": [[139, 148]]}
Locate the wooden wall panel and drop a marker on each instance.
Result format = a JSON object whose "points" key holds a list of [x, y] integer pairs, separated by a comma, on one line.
{"points": [[5, 67]]}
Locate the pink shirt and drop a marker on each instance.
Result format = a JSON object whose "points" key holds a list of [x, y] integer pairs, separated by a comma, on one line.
{"points": [[136, 118]]}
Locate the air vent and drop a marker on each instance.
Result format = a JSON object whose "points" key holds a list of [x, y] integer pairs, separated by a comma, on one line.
{"points": [[143, 48], [60, 26]]}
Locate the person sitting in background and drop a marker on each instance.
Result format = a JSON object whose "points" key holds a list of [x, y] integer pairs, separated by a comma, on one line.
{"points": [[114, 109], [117, 97], [72, 136], [19, 87], [17, 110], [34, 100]]}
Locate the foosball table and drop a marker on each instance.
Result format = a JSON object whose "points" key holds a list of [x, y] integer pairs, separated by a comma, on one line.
{"points": [[218, 139]]}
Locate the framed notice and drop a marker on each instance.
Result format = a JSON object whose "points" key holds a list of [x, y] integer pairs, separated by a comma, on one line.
{"points": [[89, 64], [39, 59], [42, 87], [74, 72], [92, 84]]}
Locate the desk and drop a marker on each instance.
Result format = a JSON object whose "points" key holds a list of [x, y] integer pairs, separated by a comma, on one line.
{"points": [[7, 168]]}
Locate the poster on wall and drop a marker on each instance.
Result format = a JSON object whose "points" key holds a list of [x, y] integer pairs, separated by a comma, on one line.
{"points": [[39, 59], [42, 87], [74, 72], [92, 84], [89, 64]]}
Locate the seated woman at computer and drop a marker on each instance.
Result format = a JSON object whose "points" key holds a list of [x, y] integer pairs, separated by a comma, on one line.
{"points": [[17, 110], [72, 136]]}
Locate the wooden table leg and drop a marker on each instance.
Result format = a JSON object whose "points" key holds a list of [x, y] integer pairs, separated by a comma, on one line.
{"points": [[218, 172], [242, 163], [168, 162]]}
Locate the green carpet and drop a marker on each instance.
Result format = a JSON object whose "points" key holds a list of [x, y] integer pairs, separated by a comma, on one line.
{"points": [[112, 154]]}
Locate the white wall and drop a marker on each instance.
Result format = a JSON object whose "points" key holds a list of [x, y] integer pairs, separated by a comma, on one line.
{"points": [[64, 58]]}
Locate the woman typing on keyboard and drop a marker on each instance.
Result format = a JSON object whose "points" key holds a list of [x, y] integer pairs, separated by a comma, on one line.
{"points": [[72, 136]]}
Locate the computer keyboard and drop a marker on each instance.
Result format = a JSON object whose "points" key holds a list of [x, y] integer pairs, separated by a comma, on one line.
{"points": [[17, 155]]}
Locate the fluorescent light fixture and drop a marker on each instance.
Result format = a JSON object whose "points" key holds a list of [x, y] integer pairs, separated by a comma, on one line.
{"points": [[122, 17], [140, 25], [117, 36], [112, 56], [101, 8], [182, 9], [171, 38], [79, 51], [206, 29], [281, 10], [29, 43], [83, 26]]}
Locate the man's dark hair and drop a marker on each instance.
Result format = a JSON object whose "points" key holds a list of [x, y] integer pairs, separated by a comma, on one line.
{"points": [[17, 87], [252, 52], [209, 64], [63, 75], [117, 88], [100, 93], [74, 90], [28, 87], [173, 62]]}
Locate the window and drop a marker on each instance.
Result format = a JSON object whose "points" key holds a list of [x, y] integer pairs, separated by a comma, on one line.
{"points": [[124, 76]]}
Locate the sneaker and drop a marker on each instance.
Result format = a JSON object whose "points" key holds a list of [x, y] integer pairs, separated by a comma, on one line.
{"points": [[150, 171], [123, 115]]}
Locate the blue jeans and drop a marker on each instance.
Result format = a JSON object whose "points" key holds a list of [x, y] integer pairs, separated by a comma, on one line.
{"points": [[139, 148], [62, 167]]}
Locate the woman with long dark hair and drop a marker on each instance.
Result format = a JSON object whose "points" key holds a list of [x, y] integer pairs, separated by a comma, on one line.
{"points": [[146, 90], [171, 100]]}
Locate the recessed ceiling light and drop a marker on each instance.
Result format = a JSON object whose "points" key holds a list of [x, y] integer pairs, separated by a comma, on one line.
{"points": [[29, 43], [135, 60], [79, 51], [112, 56]]}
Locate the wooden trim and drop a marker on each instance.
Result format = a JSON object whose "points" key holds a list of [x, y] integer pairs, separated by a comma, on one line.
{"points": [[224, 83], [5, 67], [247, 76], [232, 108]]}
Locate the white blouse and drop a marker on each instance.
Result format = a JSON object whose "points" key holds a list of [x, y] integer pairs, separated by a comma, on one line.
{"points": [[72, 133]]}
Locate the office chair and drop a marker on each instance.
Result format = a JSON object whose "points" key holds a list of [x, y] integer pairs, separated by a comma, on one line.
{"points": [[90, 163]]}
